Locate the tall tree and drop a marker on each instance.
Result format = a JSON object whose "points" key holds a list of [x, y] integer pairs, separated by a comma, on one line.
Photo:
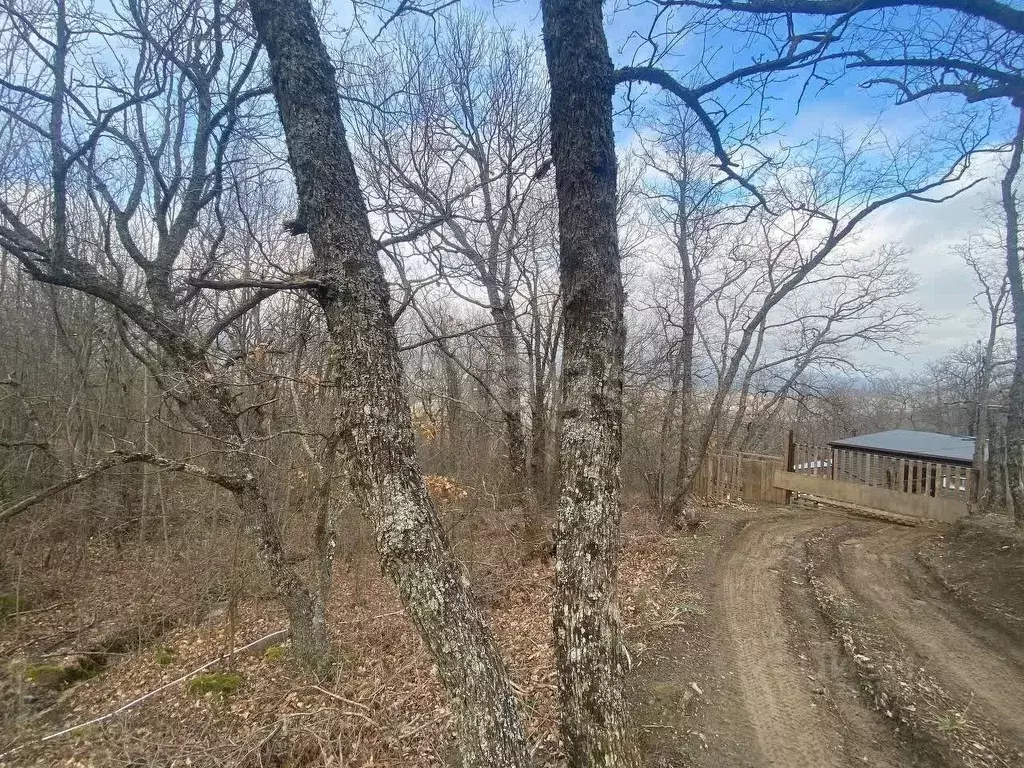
{"points": [[991, 298], [373, 417], [588, 636], [1015, 416], [455, 139], [127, 188]]}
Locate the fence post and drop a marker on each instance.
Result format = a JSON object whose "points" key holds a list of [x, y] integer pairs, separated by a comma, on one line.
{"points": [[788, 458]]}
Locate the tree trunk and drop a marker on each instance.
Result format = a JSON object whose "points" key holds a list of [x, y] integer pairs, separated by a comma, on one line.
{"points": [[995, 468], [671, 405], [210, 411], [535, 539], [744, 394], [983, 433], [682, 501], [511, 394], [588, 638], [1015, 416], [373, 415], [451, 432]]}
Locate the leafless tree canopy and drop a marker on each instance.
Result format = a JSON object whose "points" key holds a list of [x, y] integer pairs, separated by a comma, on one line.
{"points": [[412, 280]]}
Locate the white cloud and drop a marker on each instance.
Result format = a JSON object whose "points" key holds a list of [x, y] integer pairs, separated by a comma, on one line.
{"points": [[929, 231]]}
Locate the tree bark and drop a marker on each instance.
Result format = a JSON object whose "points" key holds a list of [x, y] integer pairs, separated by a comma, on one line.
{"points": [[1015, 416], [373, 415], [535, 541], [451, 433], [665, 433], [982, 437], [588, 639], [996, 497], [511, 395], [683, 498]]}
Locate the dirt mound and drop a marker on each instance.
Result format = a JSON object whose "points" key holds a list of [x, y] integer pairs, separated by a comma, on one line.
{"points": [[912, 661], [981, 562]]}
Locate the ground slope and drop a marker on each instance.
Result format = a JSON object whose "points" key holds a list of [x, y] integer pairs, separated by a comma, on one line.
{"points": [[780, 668]]}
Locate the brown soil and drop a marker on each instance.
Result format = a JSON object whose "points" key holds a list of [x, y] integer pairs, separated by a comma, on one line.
{"points": [[981, 562], [982, 663], [384, 706], [785, 684]]}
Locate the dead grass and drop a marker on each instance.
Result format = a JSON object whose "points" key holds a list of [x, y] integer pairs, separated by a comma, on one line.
{"points": [[384, 706]]}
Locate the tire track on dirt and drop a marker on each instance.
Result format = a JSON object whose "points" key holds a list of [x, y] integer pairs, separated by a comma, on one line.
{"points": [[981, 663], [790, 727]]}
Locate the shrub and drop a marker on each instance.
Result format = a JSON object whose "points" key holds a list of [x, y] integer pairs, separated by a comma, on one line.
{"points": [[11, 604], [224, 683]]}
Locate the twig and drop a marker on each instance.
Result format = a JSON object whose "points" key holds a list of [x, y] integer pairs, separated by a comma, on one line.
{"points": [[38, 610], [339, 697]]}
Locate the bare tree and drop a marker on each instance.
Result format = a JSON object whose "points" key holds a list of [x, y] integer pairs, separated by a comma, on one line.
{"points": [[776, 257], [137, 167], [1015, 415], [588, 643], [373, 417], [454, 140], [991, 298]]}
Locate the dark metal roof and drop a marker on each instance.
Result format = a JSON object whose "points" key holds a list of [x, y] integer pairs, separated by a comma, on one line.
{"points": [[910, 443]]}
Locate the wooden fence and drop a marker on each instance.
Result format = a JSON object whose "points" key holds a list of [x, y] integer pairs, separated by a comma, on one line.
{"points": [[748, 477], [901, 488]]}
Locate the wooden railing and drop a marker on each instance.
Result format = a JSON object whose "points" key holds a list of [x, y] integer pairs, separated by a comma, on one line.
{"points": [[913, 489], [808, 459], [913, 476]]}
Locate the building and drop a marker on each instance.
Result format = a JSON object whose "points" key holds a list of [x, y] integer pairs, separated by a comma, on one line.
{"points": [[925, 463]]}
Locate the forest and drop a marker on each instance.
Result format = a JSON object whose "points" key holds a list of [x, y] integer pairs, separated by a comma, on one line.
{"points": [[362, 365]]}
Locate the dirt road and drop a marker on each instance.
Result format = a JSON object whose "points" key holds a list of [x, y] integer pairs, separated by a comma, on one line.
{"points": [[979, 662], [790, 727], [779, 690]]}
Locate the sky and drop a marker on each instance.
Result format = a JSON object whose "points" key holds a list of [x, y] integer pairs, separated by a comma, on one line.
{"points": [[927, 232], [945, 288]]}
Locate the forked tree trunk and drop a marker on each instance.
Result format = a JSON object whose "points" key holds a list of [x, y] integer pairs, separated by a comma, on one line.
{"points": [[1015, 416], [373, 415], [211, 411], [588, 639], [682, 500]]}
